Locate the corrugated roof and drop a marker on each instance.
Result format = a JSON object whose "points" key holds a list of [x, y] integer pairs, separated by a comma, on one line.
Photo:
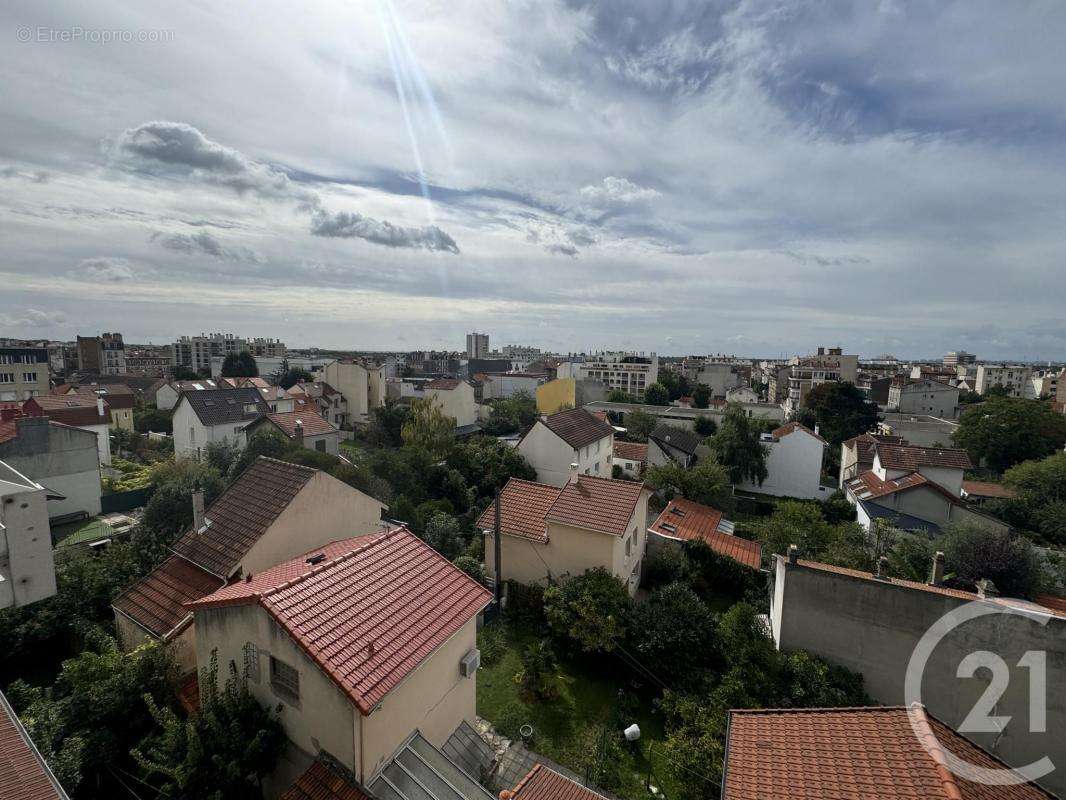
{"points": [[597, 504], [911, 457], [322, 782], [243, 513], [369, 612], [685, 520], [631, 451], [853, 754], [24, 774], [543, 783], [157, 601], [525, 503], [219, 406], [577, 427]]}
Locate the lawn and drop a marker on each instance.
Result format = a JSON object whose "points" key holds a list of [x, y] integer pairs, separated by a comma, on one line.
{"points": [[569, 728]]}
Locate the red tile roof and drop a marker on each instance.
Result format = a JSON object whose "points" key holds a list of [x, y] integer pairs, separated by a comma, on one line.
{"points": [[314, 424], [24, 775], [870, 753], [597, 504], [70, 409], [865, 443], [157, 601], [525, 504], [369, 613], [685, 520], [323, 782], [577, 427], [792, 427], [242, 514], [868, 485], [986, 489], [443, 384], [631, 451], [857, 573], [542, 783], [911, 457]]}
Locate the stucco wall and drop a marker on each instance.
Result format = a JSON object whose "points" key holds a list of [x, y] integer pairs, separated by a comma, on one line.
{"points": [[569, 551], [64, 460], [352, 381], [872, 627], [457, 403], [794, 468], [554, 395], [29, 574]]}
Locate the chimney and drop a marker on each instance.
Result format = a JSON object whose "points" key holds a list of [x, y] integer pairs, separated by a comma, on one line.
{"points": [[197, 509], [299, 433], [99, 406], [506, 794], [986, 590], [937, 575], [882, 568], [573, 474], [793, 554], [821, 351], [816, 429]]}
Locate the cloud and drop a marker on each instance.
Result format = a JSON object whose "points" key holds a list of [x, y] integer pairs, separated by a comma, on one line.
{"points": [[203, 243], [32, 318], [613, 191], [561, 249], [106, 269], [352, 225]]}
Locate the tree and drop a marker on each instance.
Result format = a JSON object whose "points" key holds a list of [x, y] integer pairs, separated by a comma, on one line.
{"points": [[677, 633], [239, 365], [974, 553], [472, 567], [701, 396], [539, 670], [222, 752], [180, 373], [427, 427], [386, 423], [839, 411], [152, 419], [677, 385], [707, 483], [512, 414], [705, 426], [294, 375], [1040, 504], [1005, 431], [639, 425], [443, 534], [738, 446], [798, 523], [487, 464], [169, 511], [220, 455], [589, 611], [619, 396], [657, 395], [268, 442]]}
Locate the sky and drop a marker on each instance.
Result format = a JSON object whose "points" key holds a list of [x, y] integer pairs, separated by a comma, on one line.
{"points": [[755, 177]]}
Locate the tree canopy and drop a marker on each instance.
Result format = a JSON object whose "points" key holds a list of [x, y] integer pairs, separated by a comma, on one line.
{"points": [[512, 414], [1040, 505], [701, 396], [589, 610], [429, 428], [738, 447], [657, 395], [239, 365], [839, 410], [973, 553], [639, 425], [707, 483], [1005, 431]]}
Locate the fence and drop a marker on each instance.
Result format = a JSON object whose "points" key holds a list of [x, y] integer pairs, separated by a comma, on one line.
{"points": [[125, 501]]}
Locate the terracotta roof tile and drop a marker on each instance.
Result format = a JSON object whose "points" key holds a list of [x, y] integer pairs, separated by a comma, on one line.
{"points": [[314, 424], [24, 775], [525, 504], [443, 384], [852, 754], [911, 457], [865, 443], [157, 601], [792, 427], [242, 514], [70, 409], [632, 451], [987, 489], [367, 616], [577, 427], [869, 485], [597, 504], [322, 782], [542, 783], [685, 520]]}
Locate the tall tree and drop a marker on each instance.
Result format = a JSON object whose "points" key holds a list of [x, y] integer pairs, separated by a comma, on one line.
{"points": [[706, 483], [657, 395], [701, 396], [738, 447], [1005, 431], [639, 425], [1041, 496], [839, 411], [973, 553], [429, 428], [240, 365]]}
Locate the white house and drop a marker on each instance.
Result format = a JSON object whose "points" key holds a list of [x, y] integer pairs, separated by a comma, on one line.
{"points": [[166, 396], [631, 458], [214, 415], [455, 398], [568, 437], [924, 396], [363, 387], [794, 456]]}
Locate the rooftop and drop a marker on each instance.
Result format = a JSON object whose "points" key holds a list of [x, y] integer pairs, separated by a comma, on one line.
{"points": [[71, 409], [680, 439], [157, 601], [543, 783], [869, 485], [577, 427], [525, 503], [986, 489], [598, 504], [792, 427], [911, 457], [853, 754], [321, 781], [24, 774], [865, 444], [314, 424], [219, 406], [368, 613], [685, 520], [443, 384], [631, 451]]}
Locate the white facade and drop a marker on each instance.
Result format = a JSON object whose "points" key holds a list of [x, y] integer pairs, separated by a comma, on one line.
{"points": [[1044, 384], [363, 387], [630, 372], [27, 571], [551, 456], [1014, 378], [718, 376], [503, 386], [191, 436], [924, 396], [793, 466], [457, 403]]}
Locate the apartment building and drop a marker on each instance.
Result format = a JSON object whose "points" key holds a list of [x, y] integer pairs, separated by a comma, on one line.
{"points": [[805, 375], [1044, 384], [718, 376], [195, 352], [958, 358], [361, 384], [923, 396], [112, 354], [267, 348], [23, 373], [477, 345], [1012, 377], [632, 373], [147, 362]]}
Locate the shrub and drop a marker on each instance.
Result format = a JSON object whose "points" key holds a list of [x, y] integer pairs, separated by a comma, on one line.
{"points": [[475, 569], [588, 611], [540, 670], [712, 574], [492, 641], [667, 565], [525, 605]]}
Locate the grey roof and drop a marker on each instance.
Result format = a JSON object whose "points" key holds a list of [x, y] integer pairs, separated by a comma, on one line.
{"points": [[419, 771], [219, 406], [577, 427], [677, 438], [897, 519]]}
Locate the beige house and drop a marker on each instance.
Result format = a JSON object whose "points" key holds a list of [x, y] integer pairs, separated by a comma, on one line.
{"points": [[575, 436], [273, 511], [551, 533], [455, 398], [362, 385], [363, 642]]}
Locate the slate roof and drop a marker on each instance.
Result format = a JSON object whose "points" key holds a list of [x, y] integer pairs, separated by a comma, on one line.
{"points": [[372, 610], [677, 438], [543, 783], [631, 451], [157, 601], [322, 782], [897, 519], [911, 457], [219, 406], [577, 427], [792, 427], [525, 503], [597, 504], [24, 774], [685, 520], [872, 753], [314, 424]]}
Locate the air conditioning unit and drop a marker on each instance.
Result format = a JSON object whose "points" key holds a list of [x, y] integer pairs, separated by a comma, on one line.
{"points": [[469, 663]]}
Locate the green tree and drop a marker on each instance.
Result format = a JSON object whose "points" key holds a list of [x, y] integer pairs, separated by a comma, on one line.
{"points": [[540, 670], [701, 396], [487, 464], [589, 611], [639, 425], [222, 752], [677, 633], [292, 376], [839, 411], [443, 534], [429, 428], [738, 447], [705, 426], [657, 395], [1040, 504], [677, 385], [619, 396], [1005, 431], [798, 523], [386, 424], [152, 419], [512, 414], [220, 455], [707, 483], [240, 365], [472, 567], [169, 511], [267, 442], [973, 553], [180, 373]]}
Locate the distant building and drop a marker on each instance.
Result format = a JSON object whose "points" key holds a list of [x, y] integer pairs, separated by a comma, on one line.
{"points": [[27, 571], [477, 345], [631, 373], [78, 411], [147, 362], [195, 352], [166, 394], [23, 373], [362, 384], [669, 443], [630, 457], [267, 348], [214, 415], [958, 357], [90, 355], [718, 376], [1044, 384], [923, 396], [828, 366], [1012, 377], [455, 398]]}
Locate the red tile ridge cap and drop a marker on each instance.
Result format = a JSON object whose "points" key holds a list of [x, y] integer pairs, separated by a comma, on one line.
{"points": [[928, 740], [528, 777]]}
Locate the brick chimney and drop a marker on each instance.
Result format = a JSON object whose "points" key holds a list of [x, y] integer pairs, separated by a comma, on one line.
{"points": [[573, 474], [936, 577], [299, 433], [197, 509]]}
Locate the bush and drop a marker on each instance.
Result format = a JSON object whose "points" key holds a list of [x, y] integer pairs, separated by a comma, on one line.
{"points": [[525, 605], [540, 670], [675, 634], [712, 574], [973, 553], [492, 641], [511, 719], [836, 508], [666, 566], [475, 569]]}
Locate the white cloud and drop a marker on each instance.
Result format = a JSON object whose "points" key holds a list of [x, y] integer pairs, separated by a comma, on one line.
{"points": [[105, 268]]}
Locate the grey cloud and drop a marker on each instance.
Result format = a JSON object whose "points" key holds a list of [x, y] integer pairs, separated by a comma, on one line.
{"points": [[32, 318], [823, 261], [203, 243], [37, 176], [105, 268], [352, 225], [561, 249]]}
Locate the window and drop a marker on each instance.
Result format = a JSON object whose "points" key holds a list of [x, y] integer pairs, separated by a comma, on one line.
{"points": [[29, 377], [251, 661], [284, 677], [629, 545], [7, 377], [596, 466], [192, 434], [320, 445]]}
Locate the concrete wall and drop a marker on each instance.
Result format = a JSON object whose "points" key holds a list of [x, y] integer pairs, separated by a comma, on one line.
{"points": [[872, 627], [27, 571], [927, 397], [551, 457], [794, 468], [353, 381], [457, 403], [63, 459], [166, 397], [919, 429]]}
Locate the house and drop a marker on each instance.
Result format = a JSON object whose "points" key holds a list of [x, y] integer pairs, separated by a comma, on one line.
{"points": [[923, 396], [120, 400], [363, 387], [273, 511], [631, 457], [883, 752], [455, 398], [857, 454], [24, 773], [574, 436], [668, 443], [78, 411], [305, 428], [166, 395], [27, 571], [23, 373], [872, 624], [683, 521], [741, 394], [214, 415], [794, 455], [63, 459], [366, 643], [550, 533], [329, 402], [544, 783]]}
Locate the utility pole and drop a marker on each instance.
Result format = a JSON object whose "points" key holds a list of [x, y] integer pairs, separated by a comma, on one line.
{"points": [[496, 552]]}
